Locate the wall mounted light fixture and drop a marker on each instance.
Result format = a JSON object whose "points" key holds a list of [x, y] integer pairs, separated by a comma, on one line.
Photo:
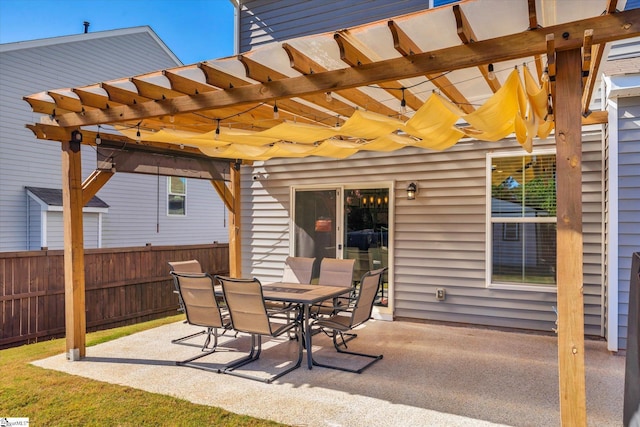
{"points": [[412, 190]]}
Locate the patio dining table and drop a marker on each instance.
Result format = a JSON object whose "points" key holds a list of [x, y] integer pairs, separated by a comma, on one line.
{"points": [[304, 295]]}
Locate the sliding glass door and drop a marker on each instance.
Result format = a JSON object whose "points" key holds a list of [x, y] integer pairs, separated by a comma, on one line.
{"points": [[350, 222]]}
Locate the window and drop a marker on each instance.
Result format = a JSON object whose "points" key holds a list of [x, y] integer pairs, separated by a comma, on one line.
{"points": [[521, 232], [176, 196]]}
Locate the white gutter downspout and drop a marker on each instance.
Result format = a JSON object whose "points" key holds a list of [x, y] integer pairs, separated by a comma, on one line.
{"points": [[612, 247], [237, 4]]}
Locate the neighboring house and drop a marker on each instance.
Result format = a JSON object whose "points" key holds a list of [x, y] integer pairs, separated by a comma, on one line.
{"points": [[446, 238], [182, 211]]}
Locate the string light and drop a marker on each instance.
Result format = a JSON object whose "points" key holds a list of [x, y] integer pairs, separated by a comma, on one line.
{"points": [[138, 134], [217, 135], [545, 75], [98, 139], [491, 75], [403, 104], [328, 97], [276, 114]]}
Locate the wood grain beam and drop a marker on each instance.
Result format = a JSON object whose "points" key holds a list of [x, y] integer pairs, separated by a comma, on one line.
{"points": [[93, 183], [74, 284], [305, 65], [597, 52], [303, 112], [467, 35], [569, 261], [407, 47], [262, 73], [354, 54], [235, 221], [606, 28]]}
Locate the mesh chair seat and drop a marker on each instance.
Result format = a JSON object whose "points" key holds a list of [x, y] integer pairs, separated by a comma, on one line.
{"points": [[249, 314], [201, 308], [351, 316]]}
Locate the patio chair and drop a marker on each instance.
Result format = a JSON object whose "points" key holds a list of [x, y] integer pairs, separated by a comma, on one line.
{"points": [[201, 308], [298, 269], [334, 272], [249, 314], [190, 266], [357, 312]]}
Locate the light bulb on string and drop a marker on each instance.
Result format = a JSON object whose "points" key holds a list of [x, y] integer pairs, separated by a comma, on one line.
{"points": [[545, 75], [328, 97], [491, 75], [138, 134], [403, 104], [276, 114], [98, 139], [217, 135]]}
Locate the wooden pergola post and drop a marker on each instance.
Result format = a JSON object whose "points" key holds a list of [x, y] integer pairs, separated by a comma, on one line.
{"points": [[235, 243], [74, 285], [569, 238]]}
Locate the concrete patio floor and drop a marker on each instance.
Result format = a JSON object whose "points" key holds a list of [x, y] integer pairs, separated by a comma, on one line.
{"points": [[431, 375]]}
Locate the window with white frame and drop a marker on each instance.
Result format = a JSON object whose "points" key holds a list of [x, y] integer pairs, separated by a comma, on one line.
{"points": [[521, 231], [176, 195]]}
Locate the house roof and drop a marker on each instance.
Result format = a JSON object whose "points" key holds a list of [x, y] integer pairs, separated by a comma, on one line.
{"points": [[423, 79], [53, 197]]}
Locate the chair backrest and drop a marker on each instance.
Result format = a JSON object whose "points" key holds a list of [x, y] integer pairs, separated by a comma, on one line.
{"points": [[298, 270], [199, 299], [336, 272], [246, 305], [366, 295], [190, 266]]}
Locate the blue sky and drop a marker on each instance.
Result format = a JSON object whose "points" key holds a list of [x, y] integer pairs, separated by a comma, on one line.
{"points": [[195, 30]]}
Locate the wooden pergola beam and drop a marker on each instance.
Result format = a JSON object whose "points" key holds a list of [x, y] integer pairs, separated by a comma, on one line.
{"points": [[93, 183], [406, 46], [468, 36], [606, 28], [354, 53], [222, 79], [305, 65]]}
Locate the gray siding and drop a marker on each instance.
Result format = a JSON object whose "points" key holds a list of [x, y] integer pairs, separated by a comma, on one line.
{"points": [[628, 203], [439, 238], [55, 230], [31, 67], [265, 21]]}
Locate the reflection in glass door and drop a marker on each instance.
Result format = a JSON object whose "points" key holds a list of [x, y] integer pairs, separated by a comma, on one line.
{"points": [[366, 237], [315, 225]]}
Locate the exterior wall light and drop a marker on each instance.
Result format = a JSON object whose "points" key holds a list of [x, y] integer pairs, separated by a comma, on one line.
{"points": [[412, 190]]}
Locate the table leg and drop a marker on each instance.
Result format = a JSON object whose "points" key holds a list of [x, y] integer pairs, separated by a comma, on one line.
{"points": [[307, 336]]}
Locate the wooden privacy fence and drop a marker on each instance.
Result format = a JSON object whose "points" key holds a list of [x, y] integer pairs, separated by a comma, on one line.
{"points": [[123, 286]]}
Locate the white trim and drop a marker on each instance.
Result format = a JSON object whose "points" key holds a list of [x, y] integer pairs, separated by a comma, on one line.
{"points": [[237, 6], [44, 230], [100, 215], [612, 250], [489, 284]]}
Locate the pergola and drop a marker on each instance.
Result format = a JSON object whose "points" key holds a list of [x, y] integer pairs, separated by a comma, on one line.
{"points": [[415, 80]]}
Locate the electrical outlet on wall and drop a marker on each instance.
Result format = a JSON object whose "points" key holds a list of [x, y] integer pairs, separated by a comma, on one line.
{"points": [[440, 294]]}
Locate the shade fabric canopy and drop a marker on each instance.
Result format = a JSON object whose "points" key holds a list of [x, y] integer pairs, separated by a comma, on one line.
{"points": [[423, 80], [433, 126]]}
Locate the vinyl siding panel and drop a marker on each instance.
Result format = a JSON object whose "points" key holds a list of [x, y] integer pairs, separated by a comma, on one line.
{"points": [[437, 240], [266, 21], [628, 203], [31, 67]]}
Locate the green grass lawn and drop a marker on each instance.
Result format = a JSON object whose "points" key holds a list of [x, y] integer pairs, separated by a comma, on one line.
{"points": [[51, 398]]}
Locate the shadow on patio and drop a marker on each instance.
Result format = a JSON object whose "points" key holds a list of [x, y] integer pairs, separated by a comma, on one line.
{"points": [[431, 375]]}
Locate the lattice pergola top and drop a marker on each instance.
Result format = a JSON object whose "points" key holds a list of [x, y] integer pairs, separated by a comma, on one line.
{"points": [[423, 79]]}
